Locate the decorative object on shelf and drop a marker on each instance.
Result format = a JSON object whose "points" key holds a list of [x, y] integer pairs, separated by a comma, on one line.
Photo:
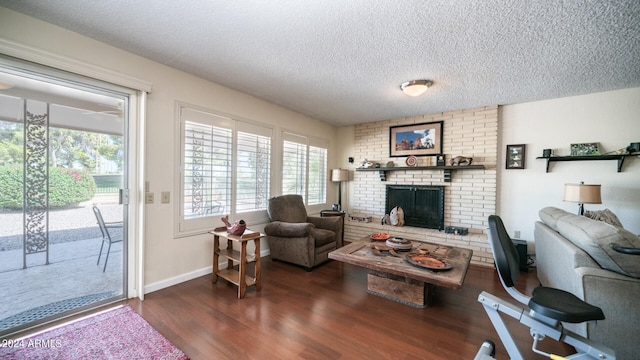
{"points": [[416, 139], [456, 230], [395, 217], [365, 164], [585, 149], [441, 160], [236, 228], [515, 156], [633, 147], [412, 161], [547, 153], [360, 218], [390, 164], [339, 175], [415, 87], [582, 194], [460, 160]]}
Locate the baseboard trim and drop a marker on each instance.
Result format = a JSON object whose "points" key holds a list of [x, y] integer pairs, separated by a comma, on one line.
{"points": [[159, 285]]}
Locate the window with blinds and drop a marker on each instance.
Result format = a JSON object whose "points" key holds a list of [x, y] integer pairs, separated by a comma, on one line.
{"points": [[253, 172], [207, 166], [225, 170], [304, 169], [317, 175], [294, 168]]}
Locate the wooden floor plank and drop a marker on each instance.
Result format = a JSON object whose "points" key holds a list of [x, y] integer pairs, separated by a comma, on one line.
{"points": [[327, 314]]}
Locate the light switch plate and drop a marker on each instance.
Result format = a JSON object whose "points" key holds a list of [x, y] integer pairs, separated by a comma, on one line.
{"points": [[165, 197], [148, 198]]}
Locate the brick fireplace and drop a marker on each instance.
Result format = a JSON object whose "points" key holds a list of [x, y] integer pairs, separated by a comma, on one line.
{"points": [[470, 197]]}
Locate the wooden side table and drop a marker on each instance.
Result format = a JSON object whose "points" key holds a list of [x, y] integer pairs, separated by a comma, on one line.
{"points": [[239, 277]]}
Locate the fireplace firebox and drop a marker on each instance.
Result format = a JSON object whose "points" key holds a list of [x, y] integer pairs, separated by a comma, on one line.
{"points": [[423, 206]]}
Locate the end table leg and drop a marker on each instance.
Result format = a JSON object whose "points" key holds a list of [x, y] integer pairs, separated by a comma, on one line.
{"points": [[242, 267], [257, 263], [216, 252]]}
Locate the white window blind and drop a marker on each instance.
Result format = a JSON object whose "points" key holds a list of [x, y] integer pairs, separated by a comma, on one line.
{"points": [[207, 165], [294, 168], [225, 170], [304, 168], [253, 172], [317, 175]]}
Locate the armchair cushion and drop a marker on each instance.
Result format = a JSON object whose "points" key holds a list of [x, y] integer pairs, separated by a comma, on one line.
{"points": [[287, 208], [323, 237], [283, 229]]}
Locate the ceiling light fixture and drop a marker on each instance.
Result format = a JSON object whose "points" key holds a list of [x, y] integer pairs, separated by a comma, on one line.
{"points": [[415, 87]]}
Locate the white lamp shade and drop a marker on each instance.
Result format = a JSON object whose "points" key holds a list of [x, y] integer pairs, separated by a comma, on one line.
{"points": [[338, 175], [582, 193]]}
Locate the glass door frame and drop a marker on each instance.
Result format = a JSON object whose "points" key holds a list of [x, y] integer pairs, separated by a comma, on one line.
{"points": [[138, 89]]}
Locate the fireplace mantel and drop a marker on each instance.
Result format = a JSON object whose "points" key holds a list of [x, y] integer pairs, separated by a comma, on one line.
{"points": [[447, 170]]}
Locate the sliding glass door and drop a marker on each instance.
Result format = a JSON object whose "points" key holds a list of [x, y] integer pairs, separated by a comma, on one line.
{"points": [[63, 151]]}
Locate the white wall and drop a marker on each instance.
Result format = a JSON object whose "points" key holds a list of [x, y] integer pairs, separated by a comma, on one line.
{"points": [[167, 259], [610, 118]]}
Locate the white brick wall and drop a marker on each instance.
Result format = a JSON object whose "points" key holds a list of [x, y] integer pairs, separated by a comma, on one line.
{"points": [[470, 197]]}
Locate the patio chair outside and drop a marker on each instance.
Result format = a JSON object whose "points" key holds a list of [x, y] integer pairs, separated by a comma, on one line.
{"points": [[106, 235]]}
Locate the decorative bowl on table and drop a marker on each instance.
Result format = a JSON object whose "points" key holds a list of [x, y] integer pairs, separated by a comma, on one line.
{"points": [[379, 236], [399, 243], [428, 262]]}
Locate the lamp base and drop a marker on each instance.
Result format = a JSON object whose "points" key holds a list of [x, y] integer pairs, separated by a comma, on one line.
{"points": [[580, 209]]}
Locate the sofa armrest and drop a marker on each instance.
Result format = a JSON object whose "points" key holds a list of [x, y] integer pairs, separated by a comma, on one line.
{"points": [[283, 229], [556, 255], [617, 295]]}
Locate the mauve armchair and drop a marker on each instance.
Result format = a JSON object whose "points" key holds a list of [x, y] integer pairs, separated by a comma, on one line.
{"points": [[297, 238]]}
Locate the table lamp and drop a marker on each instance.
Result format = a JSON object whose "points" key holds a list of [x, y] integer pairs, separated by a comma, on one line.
{"points": [[582, 194], [339, 175]]}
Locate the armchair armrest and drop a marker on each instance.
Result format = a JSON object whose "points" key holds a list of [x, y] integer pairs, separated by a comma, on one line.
{"points": [[283, 229], [332, 223]]}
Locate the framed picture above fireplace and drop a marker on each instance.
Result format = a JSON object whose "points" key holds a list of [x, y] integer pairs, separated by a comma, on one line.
{"points": [[416, 139]]}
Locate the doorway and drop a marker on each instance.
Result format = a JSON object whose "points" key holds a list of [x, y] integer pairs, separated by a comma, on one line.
{"points": [[63, 152]]}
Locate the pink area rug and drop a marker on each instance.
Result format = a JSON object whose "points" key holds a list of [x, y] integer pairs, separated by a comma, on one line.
{"points": [[118, 333]]}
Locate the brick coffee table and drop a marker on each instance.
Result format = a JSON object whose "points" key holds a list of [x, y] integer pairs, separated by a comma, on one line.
{"points": [[394, 278]]}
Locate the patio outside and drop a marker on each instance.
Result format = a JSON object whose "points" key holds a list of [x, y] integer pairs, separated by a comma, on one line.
{"points": [[71, 279]]}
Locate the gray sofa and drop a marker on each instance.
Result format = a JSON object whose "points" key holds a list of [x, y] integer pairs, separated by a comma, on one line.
{"points": [[573, 253]]}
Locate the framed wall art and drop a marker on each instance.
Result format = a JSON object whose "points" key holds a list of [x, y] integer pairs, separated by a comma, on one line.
{"points": [[586, 149], [416, 139], [515, 156]]}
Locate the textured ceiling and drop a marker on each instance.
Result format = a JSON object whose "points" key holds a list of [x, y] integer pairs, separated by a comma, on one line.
{"points": [[343, 61]]}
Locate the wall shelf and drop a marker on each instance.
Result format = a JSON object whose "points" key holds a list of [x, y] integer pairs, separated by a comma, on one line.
{"points": [[619, 157], [447, 170]]}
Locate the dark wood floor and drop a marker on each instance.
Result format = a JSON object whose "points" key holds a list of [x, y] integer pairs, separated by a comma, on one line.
{"points": [[327, 314]]}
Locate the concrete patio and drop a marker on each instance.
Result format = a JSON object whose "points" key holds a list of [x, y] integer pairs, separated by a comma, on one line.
{"points": [[71, 278]]}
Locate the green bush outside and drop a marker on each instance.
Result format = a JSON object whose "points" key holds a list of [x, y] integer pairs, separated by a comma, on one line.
{"points": [[66, 187]]}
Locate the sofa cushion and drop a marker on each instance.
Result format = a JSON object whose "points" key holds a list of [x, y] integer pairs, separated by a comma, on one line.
{"points": [[595, 238], [550, 216], [605, 215]]}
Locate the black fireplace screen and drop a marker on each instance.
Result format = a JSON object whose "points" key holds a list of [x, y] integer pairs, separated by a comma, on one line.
{"points": [[423, 206]]}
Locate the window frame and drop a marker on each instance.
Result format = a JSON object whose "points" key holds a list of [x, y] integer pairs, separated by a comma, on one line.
{"points": [[202, 224], [308, 142]]}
